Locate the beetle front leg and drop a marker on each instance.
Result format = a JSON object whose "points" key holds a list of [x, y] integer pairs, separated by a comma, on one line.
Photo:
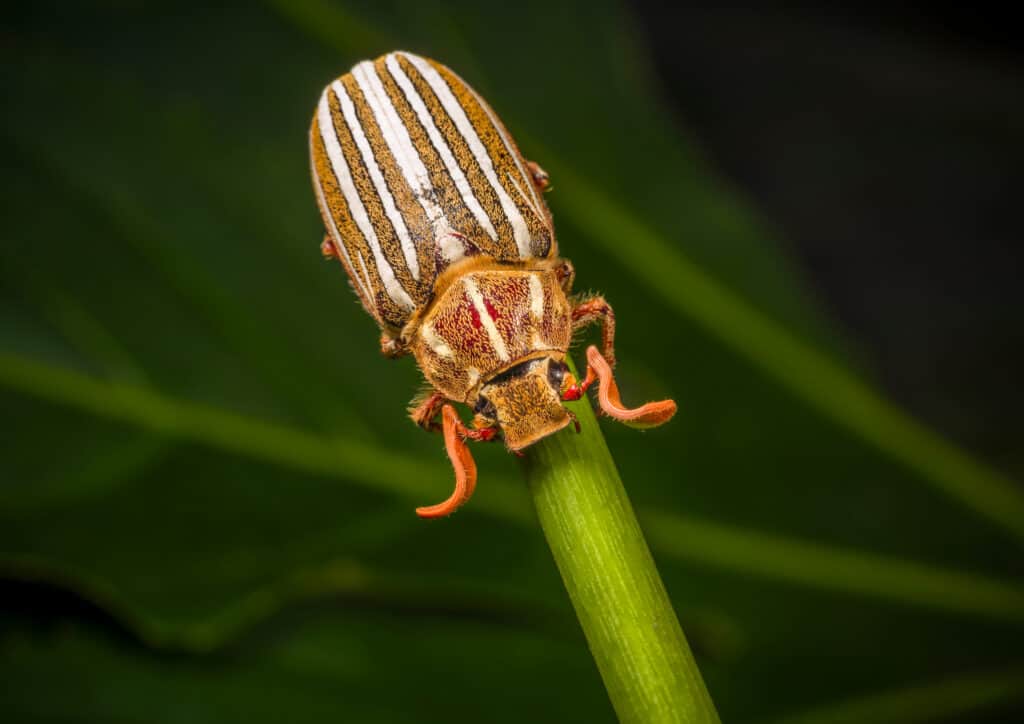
{"points": [[597, 309], [650, 414], [455, 434]]}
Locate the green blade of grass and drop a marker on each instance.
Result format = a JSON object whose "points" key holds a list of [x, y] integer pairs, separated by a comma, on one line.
{"points": [[753, 553], [675, 536], [338, 580], [943, 700]]}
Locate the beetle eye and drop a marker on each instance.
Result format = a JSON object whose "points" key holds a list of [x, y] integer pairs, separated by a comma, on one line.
{"points": [[485, 407], [556, 374]]}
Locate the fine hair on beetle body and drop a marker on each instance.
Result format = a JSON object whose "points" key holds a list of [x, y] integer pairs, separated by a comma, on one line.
{"points": [[442, 228]]}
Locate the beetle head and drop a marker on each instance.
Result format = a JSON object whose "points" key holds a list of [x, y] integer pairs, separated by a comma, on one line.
{"points": [[525, 400]]}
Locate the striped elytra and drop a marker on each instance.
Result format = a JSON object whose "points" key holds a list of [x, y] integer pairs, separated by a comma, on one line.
{"points": [[413, 172], [441, 226]]}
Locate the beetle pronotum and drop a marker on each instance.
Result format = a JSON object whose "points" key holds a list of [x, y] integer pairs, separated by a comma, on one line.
{"points": [[442, 228]]}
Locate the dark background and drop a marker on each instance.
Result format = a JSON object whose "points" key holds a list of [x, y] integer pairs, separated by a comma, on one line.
{"points": [[207, 479], [886, 146]]}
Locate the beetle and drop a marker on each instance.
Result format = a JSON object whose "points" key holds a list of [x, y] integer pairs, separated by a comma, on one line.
{"points": [[442, 228]]}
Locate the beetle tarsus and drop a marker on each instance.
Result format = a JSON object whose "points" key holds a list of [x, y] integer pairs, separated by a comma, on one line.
{"points": [[462, 461]]}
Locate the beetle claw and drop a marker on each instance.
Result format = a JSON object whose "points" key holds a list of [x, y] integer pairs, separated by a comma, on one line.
{"points": [[650, 414], [462, 462]]}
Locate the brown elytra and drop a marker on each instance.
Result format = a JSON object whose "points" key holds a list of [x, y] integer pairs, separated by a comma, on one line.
{"points": [[442, 228]]}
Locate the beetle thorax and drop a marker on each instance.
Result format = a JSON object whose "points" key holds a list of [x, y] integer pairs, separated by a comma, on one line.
{"points": [[487, 321]]}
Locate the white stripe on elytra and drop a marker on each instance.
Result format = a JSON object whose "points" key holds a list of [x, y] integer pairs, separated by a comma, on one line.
{"points": [[372, 165], [458, 115], [396, 135], [355, 203], [366, 274], [497, 342], [527, 177], [441, 146], [336, 239], [529, 202]]}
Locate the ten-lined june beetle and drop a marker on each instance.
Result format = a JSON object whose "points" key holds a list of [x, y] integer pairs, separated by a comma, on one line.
{"points": [[441, 226]]}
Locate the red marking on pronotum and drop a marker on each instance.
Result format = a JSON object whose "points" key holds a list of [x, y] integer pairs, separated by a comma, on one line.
{"points": [[490, 309]]}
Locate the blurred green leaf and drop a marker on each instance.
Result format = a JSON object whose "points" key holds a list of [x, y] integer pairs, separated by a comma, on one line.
{"points": [[942, 700], [381, 469], [160, 267]]}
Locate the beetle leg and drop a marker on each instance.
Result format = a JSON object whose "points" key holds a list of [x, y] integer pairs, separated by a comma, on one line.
{"points": [[540, 177], [575, 390], [462, 461], [390, 346], [597, 309], [327, 248], [481, 432], [425, 409], [650, 414]]}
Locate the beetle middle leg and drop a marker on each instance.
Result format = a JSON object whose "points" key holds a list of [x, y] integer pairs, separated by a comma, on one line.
{"points": [[597, 309]]}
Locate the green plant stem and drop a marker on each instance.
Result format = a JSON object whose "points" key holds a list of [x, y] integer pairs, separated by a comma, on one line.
{"points": [[633, 633]]}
